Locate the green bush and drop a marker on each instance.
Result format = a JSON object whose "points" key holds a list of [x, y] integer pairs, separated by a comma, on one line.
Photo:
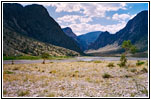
{"points": [[111, 65], [8, 72], [45, 56], [123, 61], [139, 63], [106, 75]]}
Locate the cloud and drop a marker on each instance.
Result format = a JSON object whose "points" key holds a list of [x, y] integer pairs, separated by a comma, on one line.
{"points": [[89, 9], [66, 7], [82, 28], [80, 23], [121, 17], [73, 19], [108, 18]]}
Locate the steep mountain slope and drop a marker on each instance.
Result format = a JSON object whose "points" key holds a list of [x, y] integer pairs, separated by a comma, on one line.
{"points": [[68, 31], [88, 38], [136, 30], [35, 22], [18, 44]]}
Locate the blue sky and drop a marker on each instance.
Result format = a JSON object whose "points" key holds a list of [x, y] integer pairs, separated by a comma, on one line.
{"points": [[88, 17]]}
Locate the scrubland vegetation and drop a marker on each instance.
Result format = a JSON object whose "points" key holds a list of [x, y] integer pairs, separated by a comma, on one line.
{"points": [[76, 79]]}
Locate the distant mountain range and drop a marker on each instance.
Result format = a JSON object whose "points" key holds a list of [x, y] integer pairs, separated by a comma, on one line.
{"points": [[86, 39], [136, 30], [83, 40], [33, 22]]}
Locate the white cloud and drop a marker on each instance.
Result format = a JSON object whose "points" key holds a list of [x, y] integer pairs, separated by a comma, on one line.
{"points": [[66, 7], [108, 18], [83, 28], [89, 9], [73, 19], [121, 17]]}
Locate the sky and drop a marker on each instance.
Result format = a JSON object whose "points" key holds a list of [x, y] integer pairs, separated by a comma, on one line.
{"points": [[93, 16]]}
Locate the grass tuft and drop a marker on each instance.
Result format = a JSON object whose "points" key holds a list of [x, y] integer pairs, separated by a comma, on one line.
{"points": [[133, 70], [139, 63], [111, 65], [144, 70], [97, 61], [4, 92], [106, 75], [23, 93], [51, 95], [53, 72]]}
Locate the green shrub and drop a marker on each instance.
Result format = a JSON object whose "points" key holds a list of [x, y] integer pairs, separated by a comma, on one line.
{"points": [[45, 56], [8, 72], [111, 65], [139, 63], [123, 61], [106, 75]]}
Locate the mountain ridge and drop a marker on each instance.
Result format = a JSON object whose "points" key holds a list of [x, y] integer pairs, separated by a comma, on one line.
{"points": [[35, 22], [135, 30]]}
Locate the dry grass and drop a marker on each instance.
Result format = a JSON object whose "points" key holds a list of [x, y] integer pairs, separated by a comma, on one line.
{"points": [[66, 78]]}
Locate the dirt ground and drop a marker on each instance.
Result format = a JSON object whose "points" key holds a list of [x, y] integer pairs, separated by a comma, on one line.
{"points": [[76, 79]]}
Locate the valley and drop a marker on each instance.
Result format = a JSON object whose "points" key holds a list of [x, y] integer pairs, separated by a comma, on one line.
{"points": [[67, 55]]}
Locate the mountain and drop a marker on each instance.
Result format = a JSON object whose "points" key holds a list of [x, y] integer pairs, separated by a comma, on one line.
{"points": [[17, 44], [88, 38], [68, 31], [136, 30], [34, 21]]}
